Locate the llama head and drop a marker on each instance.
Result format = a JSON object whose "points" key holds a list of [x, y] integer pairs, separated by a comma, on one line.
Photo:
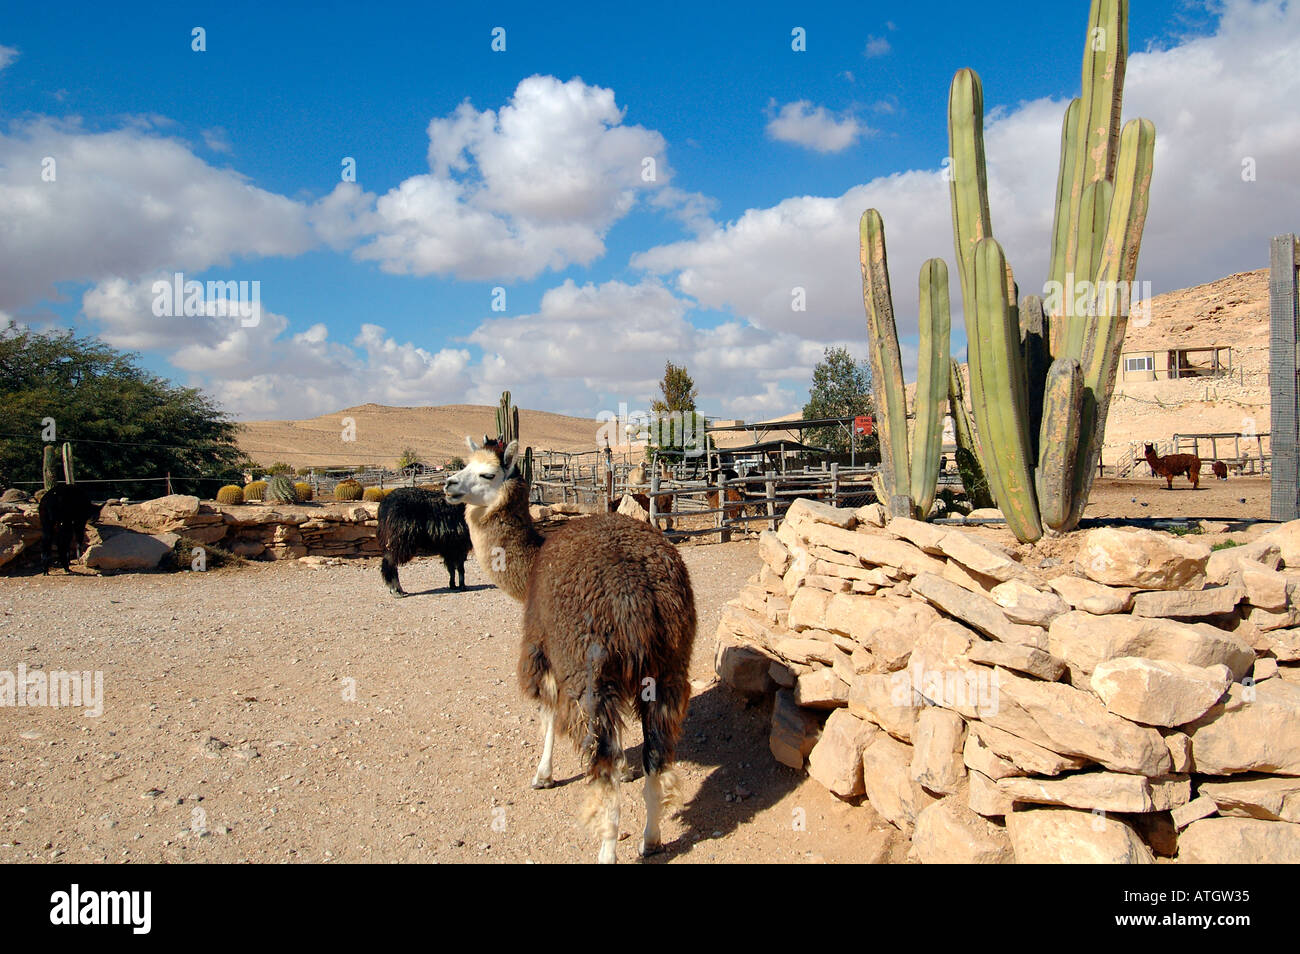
{"points": [[1150, 449], [488, 470]]}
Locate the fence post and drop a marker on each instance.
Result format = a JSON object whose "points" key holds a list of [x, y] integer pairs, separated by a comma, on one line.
{"points": [[1284, 492], [835, 485], [654, 498], [770, 486], [724, 528]]}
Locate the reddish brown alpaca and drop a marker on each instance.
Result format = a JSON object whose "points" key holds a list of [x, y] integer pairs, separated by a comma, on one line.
{"points": [[1172, 465]]}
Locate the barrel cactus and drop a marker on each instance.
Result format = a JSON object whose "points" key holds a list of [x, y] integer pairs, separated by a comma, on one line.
{"points": [[280, 490], [303, 490], [254, 491], [230, 494], [348, 490], [373, 494]]}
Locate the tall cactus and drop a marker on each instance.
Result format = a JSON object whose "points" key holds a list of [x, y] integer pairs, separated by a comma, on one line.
{"points": [[1036, 474], [48, 462], [909, 471], [68, 476], [508, 430]]}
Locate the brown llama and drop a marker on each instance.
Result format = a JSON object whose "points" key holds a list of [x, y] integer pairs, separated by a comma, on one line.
{"points": [[733, 494], [1220, 469], [1172, 465], [638, 477], [608, 628]]}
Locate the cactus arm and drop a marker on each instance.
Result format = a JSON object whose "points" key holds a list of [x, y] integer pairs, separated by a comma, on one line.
{"points": [[49, 457], [931, 382], [1034, 346], [1062, 226], [69, 476], [1058, 441], [968, 188], [1094, 213], [886, 360], [998, 393], [1105, 55]]}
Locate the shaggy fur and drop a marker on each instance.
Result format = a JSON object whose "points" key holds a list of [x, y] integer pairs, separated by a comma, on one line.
{"points": [[415, 522], [608, 629], [1172, 465], [64, 511], [1220, 469], [733, 493]]}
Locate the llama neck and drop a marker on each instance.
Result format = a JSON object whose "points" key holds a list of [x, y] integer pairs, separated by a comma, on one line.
{"points": [[505, 540]]}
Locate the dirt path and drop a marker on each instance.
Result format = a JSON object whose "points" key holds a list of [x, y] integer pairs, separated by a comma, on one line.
{"points": [[225, 713]]}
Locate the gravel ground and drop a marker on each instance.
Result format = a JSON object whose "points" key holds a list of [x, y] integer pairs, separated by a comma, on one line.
{"points": [[281, 712]]}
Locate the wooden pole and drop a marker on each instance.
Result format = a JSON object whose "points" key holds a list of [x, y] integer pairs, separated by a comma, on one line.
{"points": [[770, 486]]}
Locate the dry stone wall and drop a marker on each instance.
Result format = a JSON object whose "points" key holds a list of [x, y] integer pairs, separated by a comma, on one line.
{"points": [[1139, 702]]}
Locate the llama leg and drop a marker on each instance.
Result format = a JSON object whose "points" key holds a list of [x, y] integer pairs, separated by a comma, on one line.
{"points": [[543, 777], [602, 815], [388, 570], [625, 772], [651, 841]]}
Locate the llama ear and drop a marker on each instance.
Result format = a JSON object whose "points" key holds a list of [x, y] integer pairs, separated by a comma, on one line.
{"points": [[508, 456], [472, 446]]}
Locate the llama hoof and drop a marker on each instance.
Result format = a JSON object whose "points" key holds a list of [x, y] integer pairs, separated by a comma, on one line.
{"points": [[649, 848], [543, 782], [628, 774], [606, 856]]}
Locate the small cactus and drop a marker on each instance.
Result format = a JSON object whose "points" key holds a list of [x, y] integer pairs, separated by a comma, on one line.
{"points": [[348, 490], [230, 494], [373, 494], [280, 490], [303, 490], [254, 491]]}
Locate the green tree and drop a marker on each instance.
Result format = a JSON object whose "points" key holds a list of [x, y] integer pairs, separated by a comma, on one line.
{"points": [[677, 390], [410, 457], [841, 387], [278, 468], [677, 427], [122, 421]]}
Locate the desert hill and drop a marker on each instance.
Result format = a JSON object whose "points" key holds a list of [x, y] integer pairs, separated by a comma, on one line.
{"points": [[436, 433]]}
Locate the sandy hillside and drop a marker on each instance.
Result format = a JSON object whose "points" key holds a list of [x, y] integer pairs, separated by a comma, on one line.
{"points": [[437, 433]]}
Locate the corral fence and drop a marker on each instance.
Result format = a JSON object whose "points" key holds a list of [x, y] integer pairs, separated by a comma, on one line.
{"points": [[1284, 382], [1243, 452]]}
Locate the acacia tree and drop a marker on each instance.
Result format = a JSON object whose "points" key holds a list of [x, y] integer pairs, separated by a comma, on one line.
{"points": [[841, 387], [122, 421]]}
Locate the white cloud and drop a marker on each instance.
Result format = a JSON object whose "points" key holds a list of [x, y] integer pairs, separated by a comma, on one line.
{"points": [[1215, 101], [7, 55], [877, 46], [126, 202], [510, 192], [265, 371], [813, 127]]}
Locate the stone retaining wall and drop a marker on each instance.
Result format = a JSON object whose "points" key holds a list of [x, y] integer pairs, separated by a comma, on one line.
{"points": [[1141, 701]]}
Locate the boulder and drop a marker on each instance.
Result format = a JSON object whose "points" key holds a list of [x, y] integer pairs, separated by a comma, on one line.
{"points": [[1159, 691], [871, 549], [979, 612], [1223, 564], [1239, 841], [1084, 641], [629, 506], [1095, 598], [794, 730], [1271, 797], [804, 510], [742, 667], [980, 556], [886, 700], [871, 515], [1072, 836], [1105, 791], [1143, 559], [1024, 659], [773, 552], [978, 757], [937, 743], [948, 832], [887, 777], [1188, 604], [808, 608], [1027, 757], [1027, 604], [1196, 809], [1254, 729], [821, 689], [836, 760], [128, 551], [917, 532]]}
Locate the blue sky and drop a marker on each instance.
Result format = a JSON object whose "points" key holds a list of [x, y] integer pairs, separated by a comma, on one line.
{"points": [[521, 170]]}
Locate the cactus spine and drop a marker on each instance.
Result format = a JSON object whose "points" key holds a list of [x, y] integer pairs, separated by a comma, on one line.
{"points": [[909, 472], [1102, 192]]}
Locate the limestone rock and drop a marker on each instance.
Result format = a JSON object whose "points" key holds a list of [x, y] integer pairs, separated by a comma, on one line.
{"points": [[630, 507], [980, 556], [1223, 564], [948, 832], [1271, 797], [1105, 791], [871, 549], [1243, 735], [821, 690], [978, 757], [984, 797], [1024, 659], [794, 730], [804, 510], [1267, 588], [1142, 558], [1027, 757], [1027, 604], [808, 609], [836, 760], [773, 552], [1188, 604], [1196, 809], [886, 700], [924, 535], [871, 515], [1239, 841], [1159, 691], [1095, 598], [1084, 641], [128, 550], [937, 750], [887, 777], [742, 667], [979, 612], [1072, 836]]}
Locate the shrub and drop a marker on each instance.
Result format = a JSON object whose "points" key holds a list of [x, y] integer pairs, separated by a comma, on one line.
{"points": [[1225, 545], [254, 491], [348, 490], [456, 463], [230, 494], [303, 490], [374, 494]]}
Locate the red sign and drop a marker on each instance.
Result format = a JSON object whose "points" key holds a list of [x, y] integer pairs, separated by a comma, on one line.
{"points": [[863, 424]]}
